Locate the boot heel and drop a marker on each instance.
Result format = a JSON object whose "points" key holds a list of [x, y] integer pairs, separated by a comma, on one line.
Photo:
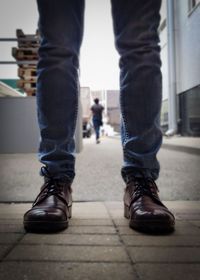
{"points": [[126, 212], [70, 212]]}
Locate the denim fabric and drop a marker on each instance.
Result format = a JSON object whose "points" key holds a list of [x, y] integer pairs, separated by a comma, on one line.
{"points": [[61, 27], [136, 38], [97, 123], [135, 27]]}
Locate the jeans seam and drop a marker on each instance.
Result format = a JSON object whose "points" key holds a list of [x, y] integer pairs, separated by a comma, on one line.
{"points": [[126, 136], [76, 107]]}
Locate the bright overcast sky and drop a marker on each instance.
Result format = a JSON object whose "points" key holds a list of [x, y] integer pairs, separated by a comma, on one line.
{"points": [[99, 59]]}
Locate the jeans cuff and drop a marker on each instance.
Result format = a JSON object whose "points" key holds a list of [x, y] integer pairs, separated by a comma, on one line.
{"points": [[63, 178], [128, 171]]}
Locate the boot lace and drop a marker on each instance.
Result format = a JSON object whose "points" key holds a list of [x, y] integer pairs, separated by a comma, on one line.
{"points": [[52, 186], [139, 186]]}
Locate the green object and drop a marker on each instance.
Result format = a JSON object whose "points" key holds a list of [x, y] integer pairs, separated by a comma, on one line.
{"points": [[12, 83]]}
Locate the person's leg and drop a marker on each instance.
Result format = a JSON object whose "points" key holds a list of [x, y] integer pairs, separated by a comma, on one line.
{"points": [[98, 132], [135, 27], [136, 37], [96, 128], [61, 29]]}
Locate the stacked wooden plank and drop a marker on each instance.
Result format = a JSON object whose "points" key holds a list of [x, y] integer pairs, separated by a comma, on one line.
{"points": [[26, 55]]}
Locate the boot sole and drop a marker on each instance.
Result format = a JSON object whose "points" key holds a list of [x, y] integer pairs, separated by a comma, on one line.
{"points": [[147, 226], [44, 226]]}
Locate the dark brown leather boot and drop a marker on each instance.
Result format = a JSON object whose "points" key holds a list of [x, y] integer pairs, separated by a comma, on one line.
{"points": [[52, 208], [144, 208]]}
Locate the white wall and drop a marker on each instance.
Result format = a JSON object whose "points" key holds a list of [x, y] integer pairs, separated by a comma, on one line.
{"points": [[187, 46], [187, 40], [163, 44]]}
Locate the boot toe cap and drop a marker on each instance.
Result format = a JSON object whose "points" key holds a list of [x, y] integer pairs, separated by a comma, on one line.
{"points": [[37, 214]]}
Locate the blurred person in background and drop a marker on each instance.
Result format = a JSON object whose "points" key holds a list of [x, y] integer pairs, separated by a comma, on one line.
{"points": [[97, 110]]}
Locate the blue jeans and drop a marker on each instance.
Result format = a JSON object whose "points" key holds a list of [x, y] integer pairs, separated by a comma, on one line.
{"points": [[97, 124], [135, 28]]}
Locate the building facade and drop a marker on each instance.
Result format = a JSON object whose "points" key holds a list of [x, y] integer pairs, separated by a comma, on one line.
{"points": [[186, 30], [113, 108]]}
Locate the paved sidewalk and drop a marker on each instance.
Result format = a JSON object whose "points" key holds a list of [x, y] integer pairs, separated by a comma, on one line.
{"points": [[178, 142], [190, 142], [98, 174], [189, 145], [99, 245]]}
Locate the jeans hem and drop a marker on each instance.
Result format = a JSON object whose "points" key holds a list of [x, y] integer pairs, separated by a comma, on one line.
{"points": [[139, 173]]}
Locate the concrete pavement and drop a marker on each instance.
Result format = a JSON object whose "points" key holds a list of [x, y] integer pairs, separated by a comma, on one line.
{"points": [[99, 245], [187, 142], [98, 174], [189, 145]]}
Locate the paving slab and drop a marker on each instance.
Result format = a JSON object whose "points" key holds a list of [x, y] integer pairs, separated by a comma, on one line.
{"points": [[91, 222], [168, 271], [161, 241], [63, 271], [183, 210], [100, 245], [11, 226], [189, 216], [183, 205], [186, 228], [68, 253], [120, 221], [4, 249], [89, 210], [11, 216], [6, 238], [14, 208], [126, 230], [11, 211], [90, 229], [71, 239], [178, 205], [165, 254], [84, 210], [116, 210], [181, 228], [196, 223]]}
